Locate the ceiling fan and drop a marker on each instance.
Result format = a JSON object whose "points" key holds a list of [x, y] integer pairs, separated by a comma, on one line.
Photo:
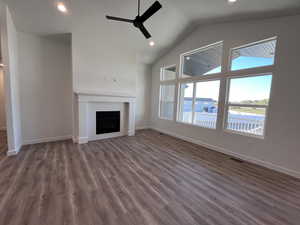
{"points": [[139, 20]]}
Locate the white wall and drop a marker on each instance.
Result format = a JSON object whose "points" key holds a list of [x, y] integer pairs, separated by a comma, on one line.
{"points": [[143, 90], [104, 61], [100, 63], [9, 46], [2, 102], [280, 148], [45, 87]]}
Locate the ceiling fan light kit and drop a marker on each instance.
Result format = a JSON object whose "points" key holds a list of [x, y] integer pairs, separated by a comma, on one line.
{"points": [[139, 20]]}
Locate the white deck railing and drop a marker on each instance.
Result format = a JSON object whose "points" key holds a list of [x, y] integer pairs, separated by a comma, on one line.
{"points": [[237, 123], [246, 125], [208, 120]]}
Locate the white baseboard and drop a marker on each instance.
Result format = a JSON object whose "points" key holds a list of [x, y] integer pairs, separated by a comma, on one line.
{"points": [[13, 152], [142, 127], [82, 140], [107, 136], [49, 139], [236, 155], [75, 139]]}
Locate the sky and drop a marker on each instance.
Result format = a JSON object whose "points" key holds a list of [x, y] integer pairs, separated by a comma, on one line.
{"points": [[244, 62], [250, 88]]}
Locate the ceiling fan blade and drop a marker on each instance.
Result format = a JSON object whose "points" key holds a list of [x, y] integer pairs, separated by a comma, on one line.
{"points": [[144, 31], [119, 19], [149, 12]]}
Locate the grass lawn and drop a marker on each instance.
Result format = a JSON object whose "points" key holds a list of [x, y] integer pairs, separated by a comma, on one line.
{"points": [[249, 110]]}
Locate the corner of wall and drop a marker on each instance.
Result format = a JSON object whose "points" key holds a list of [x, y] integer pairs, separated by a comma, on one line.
{"points": [[15, 151]]}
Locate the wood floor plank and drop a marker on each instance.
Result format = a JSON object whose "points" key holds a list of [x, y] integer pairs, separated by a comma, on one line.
{"points": [[148, 179]]}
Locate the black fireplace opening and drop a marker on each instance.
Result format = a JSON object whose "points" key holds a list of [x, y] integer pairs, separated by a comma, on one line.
{"points": [[107, 122]]}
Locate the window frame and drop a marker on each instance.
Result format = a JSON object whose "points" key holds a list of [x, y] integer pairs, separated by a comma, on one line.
{"points": [[224, 78], [165, 83], [244, 133], [179, 104], [194, 82], [201, 49], [195, 91], [228, 104], [201, 78], [249, 45], [162, 70], [248, 72]]}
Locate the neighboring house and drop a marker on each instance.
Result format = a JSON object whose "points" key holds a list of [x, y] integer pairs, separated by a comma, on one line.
{"points": [[201, 105]]}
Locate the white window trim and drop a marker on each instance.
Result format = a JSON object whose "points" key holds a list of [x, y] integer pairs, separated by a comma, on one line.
{"points": [[167, 82], [243, 73], [228, 104], [249, 45], [201, 49], [179, 102], [224, 76], [162, 70], [207, 80], [193, 104], [196, 79], [160, 102]]}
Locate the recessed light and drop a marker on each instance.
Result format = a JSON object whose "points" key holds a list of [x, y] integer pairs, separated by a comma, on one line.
{"points": [[61, 7], [151, 43], [188, 58], [232, 1]]}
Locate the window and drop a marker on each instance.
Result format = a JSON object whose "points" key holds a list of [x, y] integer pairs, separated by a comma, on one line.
{"points": [[254, 55], [203, 61], [206, 103], [248, 95], [167, 92], [168, 73], [199, 106], [198, 100], [247, 104], [167, 101], [186, 102], [203, 82]]}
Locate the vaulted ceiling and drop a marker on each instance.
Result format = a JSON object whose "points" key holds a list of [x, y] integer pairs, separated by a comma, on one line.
{"points": [[170, 24]]}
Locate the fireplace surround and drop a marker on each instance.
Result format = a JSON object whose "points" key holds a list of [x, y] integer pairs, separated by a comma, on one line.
{"points": [[86, 106]]}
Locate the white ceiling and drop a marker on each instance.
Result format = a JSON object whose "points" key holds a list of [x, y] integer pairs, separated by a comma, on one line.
{"points": [[176, 18], [203, 11]]}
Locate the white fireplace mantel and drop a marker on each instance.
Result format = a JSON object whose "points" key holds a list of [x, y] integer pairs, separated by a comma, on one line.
{"points": [[84, 102]]}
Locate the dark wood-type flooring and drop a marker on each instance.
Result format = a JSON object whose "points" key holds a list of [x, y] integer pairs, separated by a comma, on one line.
{"points": [[142, 180], [3, 144]]}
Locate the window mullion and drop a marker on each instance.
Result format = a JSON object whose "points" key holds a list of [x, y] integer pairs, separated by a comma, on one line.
{"points": [[177, 100], [160, 100], [194, 100], [203, 78], [226, 113], [221, 116]]}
